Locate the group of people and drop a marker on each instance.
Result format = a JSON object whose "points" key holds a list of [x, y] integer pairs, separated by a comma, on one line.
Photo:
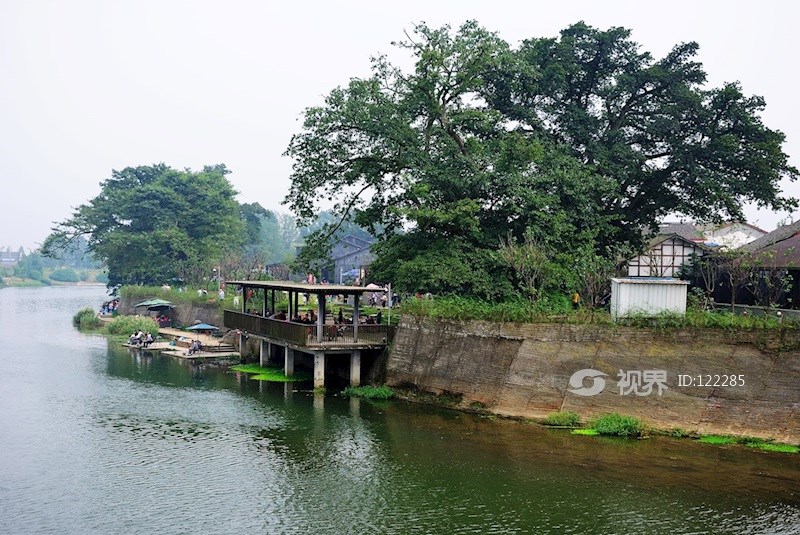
{"points": [[368, 320], [109, 307], [195, 347], [141, 339], [309, 318]]}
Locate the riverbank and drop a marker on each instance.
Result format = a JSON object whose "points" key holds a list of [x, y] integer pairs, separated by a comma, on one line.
{"points": [[525, 370]]}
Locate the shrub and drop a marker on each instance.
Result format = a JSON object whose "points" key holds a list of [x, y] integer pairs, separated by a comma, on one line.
{"points": [[563, 419], [126, 325], [369, 392], [102, 278], [618, 425], [86, 319], [65, 275]]}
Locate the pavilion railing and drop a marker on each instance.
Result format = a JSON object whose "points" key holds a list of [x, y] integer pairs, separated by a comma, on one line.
{"points": [[282, 330], [303, 334]]}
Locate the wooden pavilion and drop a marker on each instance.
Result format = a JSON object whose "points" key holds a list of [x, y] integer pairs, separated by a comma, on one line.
{"points": [[326, 336]]}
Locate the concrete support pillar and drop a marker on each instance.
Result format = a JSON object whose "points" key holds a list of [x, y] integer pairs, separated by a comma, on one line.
{"points": [[355, 317], [263, 354], [355, 368], [242, 343], [319, 369], [320, 316], [288, 362]]}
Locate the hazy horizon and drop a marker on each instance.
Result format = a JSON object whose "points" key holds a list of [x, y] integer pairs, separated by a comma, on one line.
{"points": [[90, 86]]}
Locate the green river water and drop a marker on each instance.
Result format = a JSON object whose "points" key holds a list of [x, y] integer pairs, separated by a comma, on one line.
{"points": [[97, 439]]}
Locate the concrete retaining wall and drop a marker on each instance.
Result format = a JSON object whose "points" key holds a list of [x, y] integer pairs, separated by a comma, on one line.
{"points": [[525, 369]]}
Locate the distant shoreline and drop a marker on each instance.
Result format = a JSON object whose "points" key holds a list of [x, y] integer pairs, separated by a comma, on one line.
{"points": [[13, 282]]}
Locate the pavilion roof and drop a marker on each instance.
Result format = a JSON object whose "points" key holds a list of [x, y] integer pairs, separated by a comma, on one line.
{"points": [[303, 287]]}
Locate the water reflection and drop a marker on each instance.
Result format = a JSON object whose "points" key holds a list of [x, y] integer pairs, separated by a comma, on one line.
{"points": [[99, 439]]}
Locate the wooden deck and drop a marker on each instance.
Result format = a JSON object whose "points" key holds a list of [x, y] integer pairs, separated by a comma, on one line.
{"points": [[212, 347]]}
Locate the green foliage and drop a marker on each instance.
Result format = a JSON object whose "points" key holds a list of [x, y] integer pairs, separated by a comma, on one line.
{"points": [[581, 142], [65, 275], [548, 308], [617, 425], [86, 319], [439, 265], [369, 392], [30, 267], [705, 319], [273, 375], [74, 254], [153, 224], [563, 419], [750, 442], [590, 432], [770, 446], [101, 278], [717, 439], [126, 325]]}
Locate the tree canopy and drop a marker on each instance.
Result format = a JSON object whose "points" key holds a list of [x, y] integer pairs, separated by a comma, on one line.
{"points": [[150, 222], [579, 143]]}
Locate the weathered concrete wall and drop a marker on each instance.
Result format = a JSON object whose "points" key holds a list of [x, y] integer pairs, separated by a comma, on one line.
{"points": [[184, 313], [524, 370]]}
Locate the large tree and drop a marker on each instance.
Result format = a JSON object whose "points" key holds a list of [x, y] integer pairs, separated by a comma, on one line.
{"points": [[150, 223], [574, 142], [667, 142]]}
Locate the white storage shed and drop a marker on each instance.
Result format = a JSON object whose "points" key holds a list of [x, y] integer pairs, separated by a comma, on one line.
{"points": [[647, 295]]}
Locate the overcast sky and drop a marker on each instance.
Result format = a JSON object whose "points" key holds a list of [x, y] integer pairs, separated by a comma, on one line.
{"points": [[91, 86]]}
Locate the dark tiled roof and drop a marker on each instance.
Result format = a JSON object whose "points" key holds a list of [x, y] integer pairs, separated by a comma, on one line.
{"points": [[687, 231], [784, 254]]}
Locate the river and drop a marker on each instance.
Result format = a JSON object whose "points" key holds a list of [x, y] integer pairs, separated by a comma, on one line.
{"points": [[96, 439]]}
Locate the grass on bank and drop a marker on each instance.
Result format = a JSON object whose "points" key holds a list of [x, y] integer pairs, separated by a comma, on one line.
{"points": [[369, 392], [273, 375], [563, 419], [613, 424], [550, 309], [750, 442]]}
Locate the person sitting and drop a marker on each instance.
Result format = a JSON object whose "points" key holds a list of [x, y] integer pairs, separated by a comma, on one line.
{"points": [[195, 347], [148, 339]]}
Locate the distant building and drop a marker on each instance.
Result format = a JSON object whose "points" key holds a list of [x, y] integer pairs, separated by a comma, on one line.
{"points": [[9, 258], [730, 235], [668, 251], [350, 257]]}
